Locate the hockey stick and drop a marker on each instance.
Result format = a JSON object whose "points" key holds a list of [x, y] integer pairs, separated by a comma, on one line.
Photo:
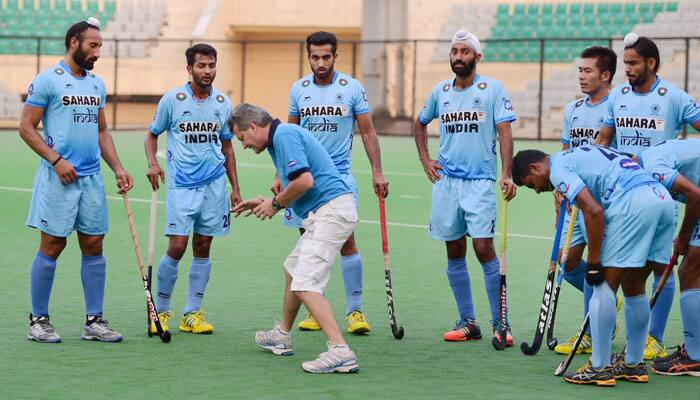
{"points": [[551, 340], [164, 335], [396, 330], [151, 247], [502, 323], [531, 350], [562, 367]]}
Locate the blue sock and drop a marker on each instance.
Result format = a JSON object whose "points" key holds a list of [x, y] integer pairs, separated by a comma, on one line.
{"points": [[352, 278], [492, 283], [587, 294], [690, 312], [602, 320], [577, 276], [637, 322], [199, 276], [93, 272], [166, 276], [41, 282], [662, 308], [458, 277]]}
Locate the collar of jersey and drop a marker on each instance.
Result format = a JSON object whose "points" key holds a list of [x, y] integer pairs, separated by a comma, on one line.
{"points": [[476, 79], [69, 71], [273, 127], [651, 90], [313, 79], [189, 90], [601, 102]]}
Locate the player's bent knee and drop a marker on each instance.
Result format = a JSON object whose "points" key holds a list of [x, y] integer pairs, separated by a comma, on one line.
{"points": [[484, 250]]}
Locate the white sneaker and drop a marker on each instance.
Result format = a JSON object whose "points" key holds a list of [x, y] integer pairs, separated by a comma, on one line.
{"points": [[99, 329], [275, 341], [41, 330], [336, 359]]}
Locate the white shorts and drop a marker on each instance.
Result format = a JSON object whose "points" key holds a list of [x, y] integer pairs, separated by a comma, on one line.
{"points": [[326, 230]]}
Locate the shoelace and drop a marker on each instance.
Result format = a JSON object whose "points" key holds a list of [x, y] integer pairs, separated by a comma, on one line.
{"points": [[44, 324], [100, 325]]}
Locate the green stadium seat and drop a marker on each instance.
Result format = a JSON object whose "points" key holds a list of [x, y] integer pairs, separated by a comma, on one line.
{"points": [[672, 7], [575, 9], [519, 9], [502, 8], [533, 9], [561, 9], [547, 9], [588, 8], [630, 8], [603, 8]]}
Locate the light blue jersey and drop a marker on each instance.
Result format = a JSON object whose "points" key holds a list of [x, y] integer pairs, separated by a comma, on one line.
{"points": [[294, 152], [643, 120], [468, 119], [671, 158], [195, 131], [582, 122], [606, 173], [70, 108], [329, 112]]}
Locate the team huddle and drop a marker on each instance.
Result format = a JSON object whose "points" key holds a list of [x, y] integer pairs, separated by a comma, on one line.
{"points": [[620, 165]]}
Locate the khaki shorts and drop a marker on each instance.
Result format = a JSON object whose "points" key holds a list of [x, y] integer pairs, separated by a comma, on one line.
{"points": [[326, 230]]}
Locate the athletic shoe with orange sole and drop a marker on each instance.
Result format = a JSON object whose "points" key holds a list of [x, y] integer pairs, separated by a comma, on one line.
{"points": [[463, 331]]}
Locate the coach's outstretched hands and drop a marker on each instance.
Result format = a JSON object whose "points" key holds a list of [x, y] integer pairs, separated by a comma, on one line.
{"points": [[260, 206]]}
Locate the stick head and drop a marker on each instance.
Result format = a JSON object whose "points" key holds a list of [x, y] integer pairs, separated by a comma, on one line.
{"points": [[561, 368], [499, 344], [165, 337], [552, 343], [527, 350], [398, 332]]}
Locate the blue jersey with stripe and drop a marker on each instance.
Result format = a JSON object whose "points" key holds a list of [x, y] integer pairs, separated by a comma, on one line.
{"points": [[71, 106], [671, 158], [294, 152], [195, 130], [582, 122], [606, 173], [468, 119], [329, 112], [643, 120]]}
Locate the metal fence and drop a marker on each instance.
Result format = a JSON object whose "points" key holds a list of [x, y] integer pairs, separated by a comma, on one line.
{"points": [[398, 75]]}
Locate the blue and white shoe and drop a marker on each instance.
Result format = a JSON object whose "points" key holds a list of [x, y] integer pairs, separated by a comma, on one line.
{"points": [[275, 341], [337, 359], [97, 328], [41, 330]]}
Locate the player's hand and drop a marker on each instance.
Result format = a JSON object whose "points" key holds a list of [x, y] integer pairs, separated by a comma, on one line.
{"points": [[124, 181], [235, 197], [380, 184], [65, 171], [431, 168], [265, 210], [595, 274], [276, 186], [680, 245], [155, 172], [246, 205], [508, 188]]}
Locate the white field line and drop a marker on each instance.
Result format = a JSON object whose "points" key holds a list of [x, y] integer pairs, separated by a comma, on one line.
{"points": [[364, 221]]}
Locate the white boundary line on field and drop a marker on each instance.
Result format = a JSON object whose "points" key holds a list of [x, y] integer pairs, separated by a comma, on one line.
{"points": [[364, 221]]}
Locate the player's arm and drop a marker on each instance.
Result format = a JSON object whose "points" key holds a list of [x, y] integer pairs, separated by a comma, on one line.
{"points": [[431, 167], [696, 125], [230, 166], [276, 187], [692, 212], [109, 153], [31, 116], [594, 216], [505, 142], [294, 119], [155, 172], [605, 136], [371, 143]]}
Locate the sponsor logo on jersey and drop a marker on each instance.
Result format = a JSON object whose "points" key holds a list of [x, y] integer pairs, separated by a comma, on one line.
{"points": [[579, 103], [306, 98], [292, 163], [635, 140], [626, 163], [465, 121], [324, 125], [324, 111], [69, 86], [80, 100], [507, 104], [200, 131], [659, 177], [582, 136], [653, 124], [30, 90], [563, 187]]}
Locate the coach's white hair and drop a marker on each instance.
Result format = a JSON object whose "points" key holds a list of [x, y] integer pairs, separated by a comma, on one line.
{"points": [[245, 113], [464, 36]]}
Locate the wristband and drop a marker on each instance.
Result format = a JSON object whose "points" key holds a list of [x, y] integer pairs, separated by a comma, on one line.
{"points": [[60, 157], [276, 204]]}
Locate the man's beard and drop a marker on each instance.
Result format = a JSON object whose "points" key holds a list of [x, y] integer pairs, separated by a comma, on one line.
{"points": [[83, 60], [462, 69], [639, 79]]}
